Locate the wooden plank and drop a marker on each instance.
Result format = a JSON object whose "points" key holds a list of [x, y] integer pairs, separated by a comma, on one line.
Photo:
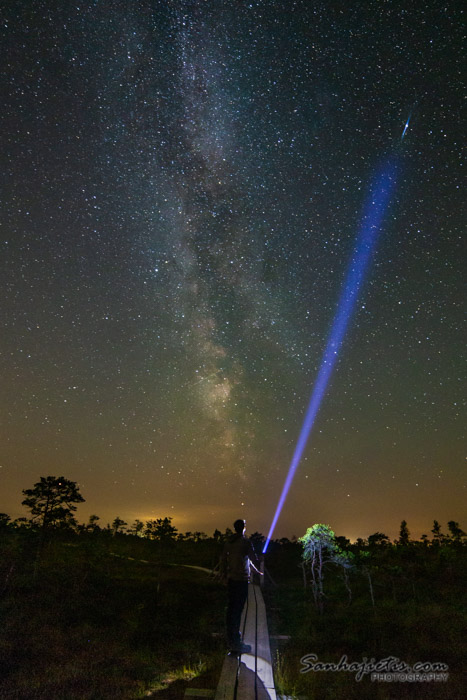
{"points": [[253, 670], [263, 651], [255, 674], [249, 624], [227, 681]]}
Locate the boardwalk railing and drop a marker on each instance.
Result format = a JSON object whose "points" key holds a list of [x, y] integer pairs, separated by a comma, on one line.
{"points": [[249, 676]]}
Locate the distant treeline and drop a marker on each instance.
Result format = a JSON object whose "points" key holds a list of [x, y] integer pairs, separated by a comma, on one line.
{"points": [[52, 503], [133, 597]]}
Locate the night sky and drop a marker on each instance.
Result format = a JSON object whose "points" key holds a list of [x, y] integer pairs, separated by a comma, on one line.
{"points": [[183, 184]]}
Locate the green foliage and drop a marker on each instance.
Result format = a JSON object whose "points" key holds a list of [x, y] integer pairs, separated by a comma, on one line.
{"points": [[320, 548], [318, 538], [419, 614]]}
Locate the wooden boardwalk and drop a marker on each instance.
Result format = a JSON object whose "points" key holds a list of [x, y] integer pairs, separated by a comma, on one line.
{"points": [[249, 676]]}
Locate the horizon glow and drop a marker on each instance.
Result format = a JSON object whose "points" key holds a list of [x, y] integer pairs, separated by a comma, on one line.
{"points": [[373, 214]]}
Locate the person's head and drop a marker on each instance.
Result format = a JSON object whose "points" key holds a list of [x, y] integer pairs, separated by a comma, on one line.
{"points": [[239, 526]]}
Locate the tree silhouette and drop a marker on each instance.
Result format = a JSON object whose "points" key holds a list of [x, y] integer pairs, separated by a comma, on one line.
{"points": [[92, 523], [136, 528], [438, 537], [160, 529], [404, 534], [52, 501], [118, 525], [4, 520], [217, 535], [378, 539], [456, 533]]}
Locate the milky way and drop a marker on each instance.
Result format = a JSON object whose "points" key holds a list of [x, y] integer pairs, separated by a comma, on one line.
{"points": [[183, 185]]}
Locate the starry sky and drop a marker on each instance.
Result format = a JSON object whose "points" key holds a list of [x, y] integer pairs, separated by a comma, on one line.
{"points": [[183, 184]]}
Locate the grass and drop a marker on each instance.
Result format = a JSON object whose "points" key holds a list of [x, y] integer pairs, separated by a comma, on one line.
{"points": [[83, 621], [96, 626], [423, 619]]}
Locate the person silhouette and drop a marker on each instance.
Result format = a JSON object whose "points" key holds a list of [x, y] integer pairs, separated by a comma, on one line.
{"points": [[237, 558]]}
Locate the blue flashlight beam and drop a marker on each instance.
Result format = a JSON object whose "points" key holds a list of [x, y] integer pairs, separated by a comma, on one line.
{"points": [[406, 126], [371, 223]]}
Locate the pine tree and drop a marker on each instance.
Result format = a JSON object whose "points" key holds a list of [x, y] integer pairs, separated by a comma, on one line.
{"points": [[52, 501], [319, 548], [456, 533], [438, 537], [118, 525], [404, 534]]}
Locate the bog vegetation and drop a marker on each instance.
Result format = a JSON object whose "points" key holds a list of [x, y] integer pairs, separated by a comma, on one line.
{"points": [[116, 611]]}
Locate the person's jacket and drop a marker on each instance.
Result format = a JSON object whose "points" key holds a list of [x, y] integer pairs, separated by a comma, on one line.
{"points": [[236, 557]]}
